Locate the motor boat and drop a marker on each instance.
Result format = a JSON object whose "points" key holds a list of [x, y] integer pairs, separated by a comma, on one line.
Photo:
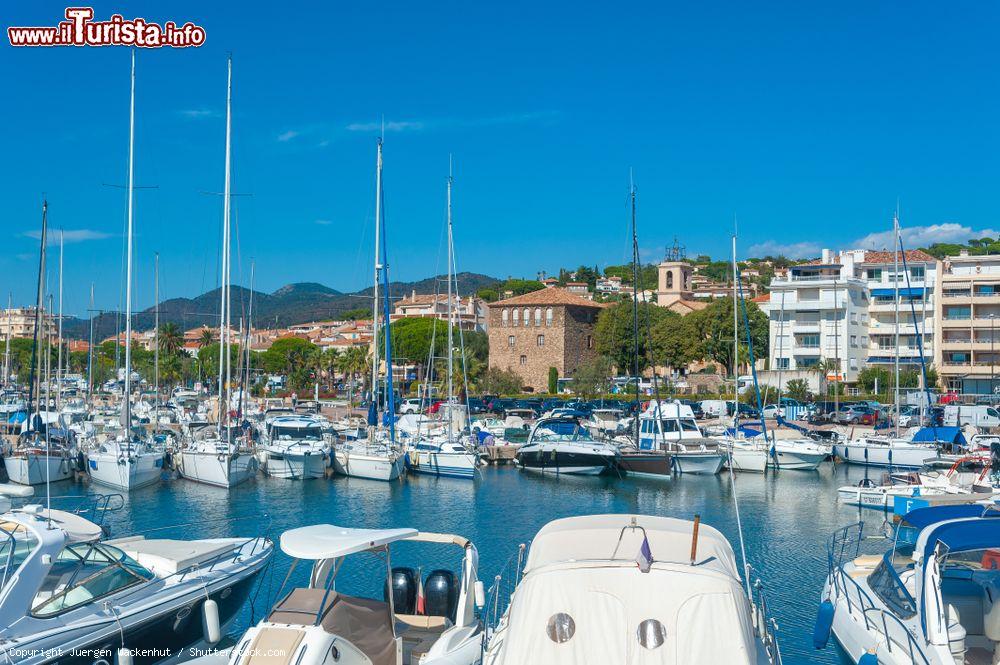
{"points": [[563, 446], [885, 451], [800, 454], [413, 621], [222, 461], [931, 598], [294, 448], [125, 463], [967, 476], [66, 591], [670, 427], [630, 590]]}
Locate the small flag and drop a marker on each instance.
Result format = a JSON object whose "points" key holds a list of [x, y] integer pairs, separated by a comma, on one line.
{"points": [[645, 556], [421, 600]]}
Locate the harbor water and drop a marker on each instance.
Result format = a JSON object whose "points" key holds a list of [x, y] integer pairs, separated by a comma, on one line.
{"points": [[787, 519]]}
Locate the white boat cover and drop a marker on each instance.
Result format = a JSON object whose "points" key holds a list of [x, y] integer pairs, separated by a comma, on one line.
{"points": [[705, 617], [595, 538], [167, 557], [326, 541], [78, 529]]}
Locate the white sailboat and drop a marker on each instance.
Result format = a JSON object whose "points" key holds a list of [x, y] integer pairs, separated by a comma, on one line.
{"points": [[378, 456], [446, 450], [225, 459], [127, 461]]}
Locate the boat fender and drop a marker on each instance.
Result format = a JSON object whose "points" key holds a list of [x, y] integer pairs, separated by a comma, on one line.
{"points": [[121, 461], [868, 658], [824, 624], [124, 656], [210, 616], [221, 457]]}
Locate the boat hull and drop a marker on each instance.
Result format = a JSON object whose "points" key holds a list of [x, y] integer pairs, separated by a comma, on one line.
{"points": [[32, 469], [295, 465], [798, 460], [220, 470], [125, 473], [542, 460], [912, 457], [647, 465], [369, 466], [702, 464], [443, 464], [749, 460]]}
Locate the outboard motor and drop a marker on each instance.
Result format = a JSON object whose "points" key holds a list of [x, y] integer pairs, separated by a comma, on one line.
{"points": [[441, 594], [404, 591]]}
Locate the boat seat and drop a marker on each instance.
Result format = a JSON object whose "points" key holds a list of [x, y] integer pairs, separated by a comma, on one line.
{"points": [[171, 556], [867, 560], [425, 622], [365, 623], [274, 646]]}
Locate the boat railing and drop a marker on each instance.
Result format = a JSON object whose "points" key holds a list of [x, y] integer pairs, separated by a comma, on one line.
{"points": [[845, 543], [92, 507], [502, 589], [765, 624]]}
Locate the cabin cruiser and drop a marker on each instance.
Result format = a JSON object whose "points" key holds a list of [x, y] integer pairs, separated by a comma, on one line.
{"points": [[564, 446], [606, 422], [219, 458], [756, 453], [294, 448], [414, 621], [932, 598], [630, 590], [669, 427], [885, 451], [125, 463], [967, 476], [65, 590]]}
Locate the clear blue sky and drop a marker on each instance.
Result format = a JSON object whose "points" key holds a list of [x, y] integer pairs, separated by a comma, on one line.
{"points": [[805, 120]]}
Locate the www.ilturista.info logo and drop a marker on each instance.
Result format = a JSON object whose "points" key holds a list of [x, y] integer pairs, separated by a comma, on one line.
{"points": [[79, 29]]}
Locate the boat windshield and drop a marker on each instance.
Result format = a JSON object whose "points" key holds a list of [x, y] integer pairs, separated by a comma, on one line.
{"points": [[892, 580], [84, 572], [562, 430], [295, 433], [675, 425], [16, 543]]}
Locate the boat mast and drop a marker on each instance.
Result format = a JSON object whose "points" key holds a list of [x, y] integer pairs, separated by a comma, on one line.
{"points": [[6, 352], [156, 347], [635, 316], [59, 363], [736, 346], [451, 342], [127, 405], [39, 320], [895, 275], [224, 272], [378, 217], [90, 349]]}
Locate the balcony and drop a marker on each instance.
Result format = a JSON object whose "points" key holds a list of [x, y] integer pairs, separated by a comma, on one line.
{"points": [[799, 350]]}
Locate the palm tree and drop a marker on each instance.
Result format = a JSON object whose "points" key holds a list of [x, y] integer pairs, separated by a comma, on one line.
{"points": [[171, 338], [352, 362], [207, 337]]}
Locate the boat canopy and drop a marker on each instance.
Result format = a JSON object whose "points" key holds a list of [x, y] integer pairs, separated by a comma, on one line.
{"points": [[326, 541], [601, 537], [960, 535], [951, 435], [921, 518]]}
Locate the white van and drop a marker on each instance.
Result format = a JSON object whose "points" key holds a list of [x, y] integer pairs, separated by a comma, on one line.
{"points": [[714, 408], [979, 415]]}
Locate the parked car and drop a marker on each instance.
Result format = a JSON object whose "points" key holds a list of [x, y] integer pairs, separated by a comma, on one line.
{"points": [[410, 405], [476, 406], [855, 414]]}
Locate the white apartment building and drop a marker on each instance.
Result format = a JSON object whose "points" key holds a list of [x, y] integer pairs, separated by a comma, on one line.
{"points": [[20, 322], [469, 313], [968, 357]]}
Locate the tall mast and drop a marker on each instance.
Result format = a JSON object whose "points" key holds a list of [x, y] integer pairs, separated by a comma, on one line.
{"points": [[90, 349], [127, 405], [59, 363], [39, 316], [6, 351], [378, 219], [224, 272], [736, 344], [635, 312], [896, 247], [451, 344], [156, 342]]}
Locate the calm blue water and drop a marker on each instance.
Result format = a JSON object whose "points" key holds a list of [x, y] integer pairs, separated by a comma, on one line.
{"points": [[787, 519]]}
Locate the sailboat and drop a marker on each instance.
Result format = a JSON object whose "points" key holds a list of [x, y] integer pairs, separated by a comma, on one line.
{"points": [[223, 457], [127, 461], [378, 456], [446, 450], [42, 455]]}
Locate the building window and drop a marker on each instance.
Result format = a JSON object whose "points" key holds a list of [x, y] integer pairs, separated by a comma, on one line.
{"points": [[782, 363], [809, 341], [875, 274], [524, 360], [917, 272], [548, 316], [527, 317], [510, 341], [517, 317], [670, 280], [503, 318], [541, 340], [538, 317], [590, 342]]}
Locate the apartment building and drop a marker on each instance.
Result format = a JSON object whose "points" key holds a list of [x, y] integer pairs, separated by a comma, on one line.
{"points": [[20, 322], [845, 306], [968, 357]]}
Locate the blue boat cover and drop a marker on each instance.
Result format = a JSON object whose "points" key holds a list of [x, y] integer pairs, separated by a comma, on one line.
{"points": [[924, 517], [964, 536], [940, 434], [747, 432]]}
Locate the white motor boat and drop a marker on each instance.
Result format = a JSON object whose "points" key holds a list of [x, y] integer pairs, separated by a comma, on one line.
{"points": [[420, 622], [629, 590], [748, 454], [561, 445], [213, 460], [930, 599], [295, 448], [670, 426], [798, 454], [125, 464], [885, 451], [966, 476], [65, 591]]}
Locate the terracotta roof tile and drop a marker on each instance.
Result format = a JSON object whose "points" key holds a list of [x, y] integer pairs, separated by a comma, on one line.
{"points": [[551, 296]]}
